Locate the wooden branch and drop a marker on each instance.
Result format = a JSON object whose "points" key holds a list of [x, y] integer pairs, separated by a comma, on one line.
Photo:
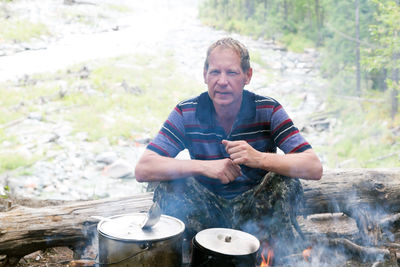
{"points": [[390, 220], [363, 253]]}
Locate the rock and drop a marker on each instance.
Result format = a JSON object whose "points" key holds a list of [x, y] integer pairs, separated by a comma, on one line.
{"points": [[53, 137], [143, 140], [119, 169], [35, 116], [84, 72], [131, 89], [107, 157], [82, 136]]}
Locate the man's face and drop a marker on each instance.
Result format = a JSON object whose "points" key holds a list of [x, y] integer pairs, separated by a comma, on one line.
{"points": [[225, 78]]}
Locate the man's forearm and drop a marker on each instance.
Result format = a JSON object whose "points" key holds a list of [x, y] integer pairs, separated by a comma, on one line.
{"points": [[304, 165], [157, 168], [153, 167]]}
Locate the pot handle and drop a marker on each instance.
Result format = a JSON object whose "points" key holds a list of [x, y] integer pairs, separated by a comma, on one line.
{"points": [[146, 246]]}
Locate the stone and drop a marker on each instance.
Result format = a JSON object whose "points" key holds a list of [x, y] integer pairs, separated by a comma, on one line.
{"points": [[119, 169], [107, 157]]}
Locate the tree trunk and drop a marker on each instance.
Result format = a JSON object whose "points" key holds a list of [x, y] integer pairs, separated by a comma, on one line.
{"points": [[396, 84], [318, 22], [265, 9], [395, 78], [358, 68], [285, 11], [249, 8]]}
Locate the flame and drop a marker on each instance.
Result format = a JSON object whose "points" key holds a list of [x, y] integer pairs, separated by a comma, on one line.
{"points": [[307, 254], [270, 255]]}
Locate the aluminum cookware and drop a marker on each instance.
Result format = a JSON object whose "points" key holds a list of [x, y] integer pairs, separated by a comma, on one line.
{"points": [[224, 247], [123, 242]]}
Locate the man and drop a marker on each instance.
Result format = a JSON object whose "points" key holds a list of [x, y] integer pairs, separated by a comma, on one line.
{"points": [[234, 178]]}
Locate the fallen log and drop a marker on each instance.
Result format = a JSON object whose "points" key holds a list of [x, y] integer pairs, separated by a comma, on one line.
{"points": [[362, 194], [341, 189], [24, 230]]}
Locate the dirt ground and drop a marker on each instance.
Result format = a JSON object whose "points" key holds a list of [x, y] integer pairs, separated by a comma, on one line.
{"points": [[57, 256]]}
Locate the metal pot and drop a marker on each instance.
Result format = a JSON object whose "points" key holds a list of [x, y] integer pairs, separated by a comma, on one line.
{"points": [[123, 242], [216, 247]]}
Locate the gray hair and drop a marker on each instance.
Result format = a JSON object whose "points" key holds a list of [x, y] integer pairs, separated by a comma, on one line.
{"points": [[236, 46]]}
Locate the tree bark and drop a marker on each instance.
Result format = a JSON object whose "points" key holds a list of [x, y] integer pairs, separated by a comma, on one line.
{"points": [[357, 29], [24, 230], [318, 21]]}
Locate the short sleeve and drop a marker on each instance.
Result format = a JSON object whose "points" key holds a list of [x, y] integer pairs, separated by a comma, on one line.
{"points": [[285, 135], [170, 140]]}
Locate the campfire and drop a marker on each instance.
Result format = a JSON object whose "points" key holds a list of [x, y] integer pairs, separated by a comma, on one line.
{"points": [[267, 255]]}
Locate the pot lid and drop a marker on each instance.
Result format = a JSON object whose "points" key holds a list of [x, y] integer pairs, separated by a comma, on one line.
{"points": [[128, 227], [228, 241]]}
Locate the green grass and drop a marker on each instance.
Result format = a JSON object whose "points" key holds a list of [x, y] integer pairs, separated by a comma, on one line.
{"points": [[11, 161], [108, 110], [119, 8], [18, 101], [21, 30], [99, 105], [296, 42], [363, 136]]}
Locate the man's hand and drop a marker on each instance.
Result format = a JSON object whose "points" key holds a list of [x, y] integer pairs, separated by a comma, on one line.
{"points": [[242, 153], [224, 170]]}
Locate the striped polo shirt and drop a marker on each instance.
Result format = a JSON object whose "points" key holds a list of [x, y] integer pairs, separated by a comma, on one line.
{"points": [[261, 122]]}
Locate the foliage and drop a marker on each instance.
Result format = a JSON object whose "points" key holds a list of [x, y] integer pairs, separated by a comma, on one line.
{"points": [[6, 190], [327, 24], [385, 54]]}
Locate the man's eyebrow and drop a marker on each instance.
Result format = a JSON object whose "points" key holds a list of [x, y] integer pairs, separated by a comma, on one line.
{"points": [[213, 69]]}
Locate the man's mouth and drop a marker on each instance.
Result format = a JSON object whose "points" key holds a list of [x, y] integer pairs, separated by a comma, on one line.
{"points": [[222, 93]]}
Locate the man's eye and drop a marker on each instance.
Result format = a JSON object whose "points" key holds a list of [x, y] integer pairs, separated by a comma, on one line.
{"points": [[214, 72], [232, 73]]}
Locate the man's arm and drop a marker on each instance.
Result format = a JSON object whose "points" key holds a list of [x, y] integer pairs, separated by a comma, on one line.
{"points": [[153, 167], [304, 165]]}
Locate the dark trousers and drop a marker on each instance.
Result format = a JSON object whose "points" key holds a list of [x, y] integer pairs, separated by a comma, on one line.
{"points": [[266, 211]]}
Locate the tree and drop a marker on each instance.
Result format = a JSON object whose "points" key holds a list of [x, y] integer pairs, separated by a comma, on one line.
{"points": [[386, 53]]}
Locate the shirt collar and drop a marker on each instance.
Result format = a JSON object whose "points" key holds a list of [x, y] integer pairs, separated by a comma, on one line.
{"points": [[205, 111]]}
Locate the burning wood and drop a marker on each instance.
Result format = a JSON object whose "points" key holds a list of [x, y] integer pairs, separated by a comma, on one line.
{"points": [[267, 255], [81, 263], [307, 254]]}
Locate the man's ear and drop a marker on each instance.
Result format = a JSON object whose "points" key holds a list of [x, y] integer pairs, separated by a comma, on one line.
{"points": [[249, 74]]}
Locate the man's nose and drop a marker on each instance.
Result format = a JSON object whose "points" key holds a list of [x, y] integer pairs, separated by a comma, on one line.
{"points": [[222, 79]]}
